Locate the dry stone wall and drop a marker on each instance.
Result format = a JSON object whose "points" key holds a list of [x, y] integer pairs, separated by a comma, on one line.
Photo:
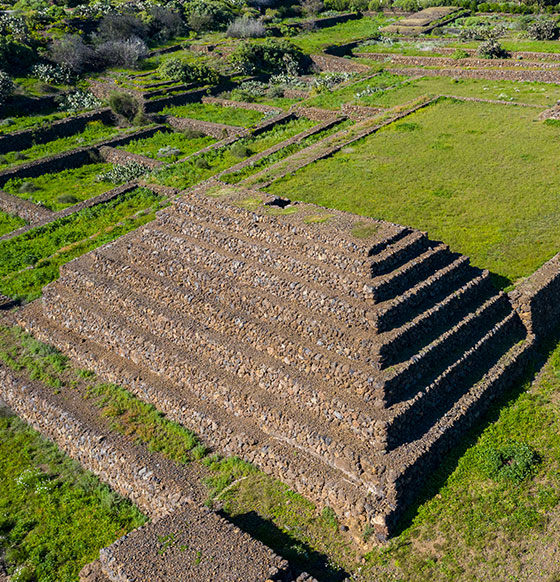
{"points": [[23, 208], [331, 63], [241, 105], [217, 130], [546, 76]]}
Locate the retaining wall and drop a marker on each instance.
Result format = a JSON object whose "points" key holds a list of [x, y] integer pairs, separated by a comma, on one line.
{"points": [[23, 208], [335, 64], [490, 74], [26, 138], [241, 104], [217, 130], [122, 157], [537, 299]]}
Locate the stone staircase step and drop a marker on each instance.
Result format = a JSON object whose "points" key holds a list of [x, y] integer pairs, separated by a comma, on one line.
{"points": [[312, 270], [388, 286], [398, 253], [425, 327], [506, 332], [229, 433], [234, 379], [333, 376], [192, 253], [424, 295], [443, 350]]}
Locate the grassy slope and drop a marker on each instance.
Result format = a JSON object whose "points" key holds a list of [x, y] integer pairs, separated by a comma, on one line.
{"points": [[150, 146], [9, 222], [80, 183], [33, 259], [470, 174], [54, 517], [216, 114]]}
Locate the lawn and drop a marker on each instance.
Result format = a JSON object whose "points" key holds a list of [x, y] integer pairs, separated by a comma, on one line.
{"points": [[216, 114], [94, 132], [185, 174], [9, 222], [62, 189], [483, 178], [54, 516], [183, 142], [31, 260]]}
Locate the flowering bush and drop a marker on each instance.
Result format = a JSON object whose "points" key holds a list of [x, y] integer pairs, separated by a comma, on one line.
{"points": [[79, 101]]}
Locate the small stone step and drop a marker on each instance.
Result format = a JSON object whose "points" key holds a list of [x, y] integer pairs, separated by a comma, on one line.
{"points": [[398, 253]]}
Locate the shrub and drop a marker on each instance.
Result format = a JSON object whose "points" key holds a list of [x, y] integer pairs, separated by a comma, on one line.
{"points": [[492, 49], [543, 29], [122, 53], [71, 52], [57, 74], [124, 105], [246, 28], [240, 151], [27, 188], [202, 163], [6, 87], [67, 199], [512, 462], [208, 15], [180, 70], [311, 8], [271, 56], [123, 173], [460, 54], [165, 23], [79, 101], [116, 27], [167, 152]]}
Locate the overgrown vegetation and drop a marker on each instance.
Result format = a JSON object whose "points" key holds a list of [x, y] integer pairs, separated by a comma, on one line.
{"points": [[9, 222], [31, 260]]}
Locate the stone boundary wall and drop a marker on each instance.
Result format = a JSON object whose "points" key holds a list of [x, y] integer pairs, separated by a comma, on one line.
{"points": [[335, 64], [281, 145], [313, 113], [26, 138], [105, 197], [495, 101], [552, 113], [537, 299], [71, 159], [422, 61], [23, 208], [490, 74], [156, 488], [359, 112], [156, 485], [318, 23], [217, 130], [122, 157], [240, 104], [296, 94]]}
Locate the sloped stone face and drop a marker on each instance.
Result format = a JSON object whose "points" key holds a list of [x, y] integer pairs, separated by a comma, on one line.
{"points": [[335, 352]]}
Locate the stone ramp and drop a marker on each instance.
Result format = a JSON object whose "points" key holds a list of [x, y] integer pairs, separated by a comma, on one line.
{"points": [[333, 351]]}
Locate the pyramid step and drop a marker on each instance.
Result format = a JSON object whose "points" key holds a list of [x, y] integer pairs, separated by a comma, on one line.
{"points": [[311, 270], [384, 287], [316, 241], [280, 312], [398, 253], [178, 254], [412, 417], [234, 380], [228, 433], [332, 389], [401, 343], [424, 295], [403, 378]]}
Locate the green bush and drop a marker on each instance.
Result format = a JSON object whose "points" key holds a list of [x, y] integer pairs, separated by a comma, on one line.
{"points": [[180, 70], [125, 105], [512, 462], [122, 173], [208, 15], [271, 56], [492, 49], [6, 87], [460, 54], [543, 29], [240, 151]]}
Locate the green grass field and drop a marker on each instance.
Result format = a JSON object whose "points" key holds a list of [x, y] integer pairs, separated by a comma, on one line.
{"points": [[61, 189], [54, 516], [31, 260], [483, 178], [152, 145], [216, 114], [9, 222]]}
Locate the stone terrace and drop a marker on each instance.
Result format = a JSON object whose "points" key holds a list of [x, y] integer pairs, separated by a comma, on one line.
{"points": [[341, 354]]}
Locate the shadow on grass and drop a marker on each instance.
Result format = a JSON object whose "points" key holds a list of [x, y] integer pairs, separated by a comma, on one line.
{"points": [[440, 475], [302, 558]]}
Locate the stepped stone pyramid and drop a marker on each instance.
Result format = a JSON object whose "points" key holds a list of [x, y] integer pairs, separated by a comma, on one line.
{"points": [[341, 354]]}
